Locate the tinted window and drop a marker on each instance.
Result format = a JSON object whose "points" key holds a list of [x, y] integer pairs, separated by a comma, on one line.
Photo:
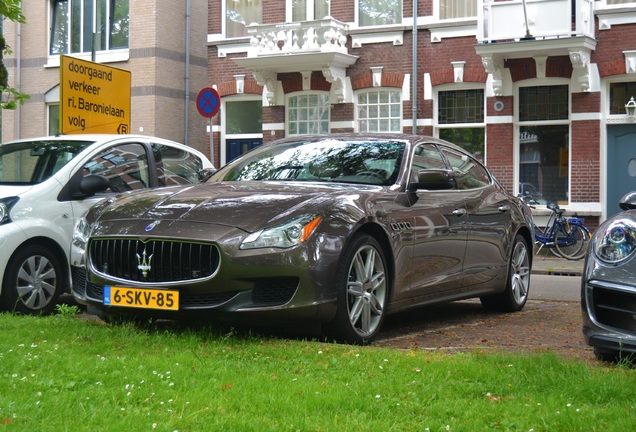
{"points": [[469, 173], [176, 166], [125, 166]]}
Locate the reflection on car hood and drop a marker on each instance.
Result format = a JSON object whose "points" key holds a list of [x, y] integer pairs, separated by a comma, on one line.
{"points": [[245, 205]]}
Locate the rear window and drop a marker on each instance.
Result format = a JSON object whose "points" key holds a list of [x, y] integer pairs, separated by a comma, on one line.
{"points": [[29, 163]]}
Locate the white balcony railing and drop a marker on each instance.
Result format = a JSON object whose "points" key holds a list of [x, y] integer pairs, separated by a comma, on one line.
{"points": [[536, 19], [325, 35]]}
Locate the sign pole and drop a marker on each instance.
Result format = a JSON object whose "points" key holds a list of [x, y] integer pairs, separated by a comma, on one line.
{"points": [[211, 143], [208, 105]]}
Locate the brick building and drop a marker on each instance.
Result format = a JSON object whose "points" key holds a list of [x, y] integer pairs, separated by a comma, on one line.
{"points": [[538, 88]]}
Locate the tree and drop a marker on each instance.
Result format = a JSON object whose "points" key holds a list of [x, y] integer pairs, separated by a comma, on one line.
{"points": [[11, 10]]}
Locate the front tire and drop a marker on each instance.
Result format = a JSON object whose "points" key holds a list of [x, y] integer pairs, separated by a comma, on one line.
{"points": [[515, 295], [363, 292], [33, 281]]}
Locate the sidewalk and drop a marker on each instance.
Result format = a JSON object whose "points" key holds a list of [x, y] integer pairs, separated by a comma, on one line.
{"points": [[551, 265]]}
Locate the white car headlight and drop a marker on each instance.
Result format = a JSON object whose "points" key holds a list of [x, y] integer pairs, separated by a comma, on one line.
{"points": [[5, 208], [286, 235], [80, 233], [616, 242]]}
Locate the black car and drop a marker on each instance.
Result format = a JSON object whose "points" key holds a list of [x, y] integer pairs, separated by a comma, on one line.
{"points": [[337, 230]]}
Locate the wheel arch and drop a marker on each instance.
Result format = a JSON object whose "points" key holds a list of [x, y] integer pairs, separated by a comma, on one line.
{"points": [[379, 234], [59, 252]]}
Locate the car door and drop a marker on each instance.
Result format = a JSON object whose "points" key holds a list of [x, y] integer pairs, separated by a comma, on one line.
{"points": [[437, 221], [488, 215]]}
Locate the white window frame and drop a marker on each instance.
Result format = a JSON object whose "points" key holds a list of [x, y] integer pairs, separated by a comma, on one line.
{"points": [[400, 119], [437, 7], [327, 106]]}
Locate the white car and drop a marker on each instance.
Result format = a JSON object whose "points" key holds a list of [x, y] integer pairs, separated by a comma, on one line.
{"points": [[47, 183]]}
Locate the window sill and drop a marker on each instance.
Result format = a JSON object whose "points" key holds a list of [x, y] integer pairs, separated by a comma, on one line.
{"points": [[101, 57]]}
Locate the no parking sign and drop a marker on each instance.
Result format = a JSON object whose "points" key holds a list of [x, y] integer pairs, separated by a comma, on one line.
{"points": [[208, 102]]}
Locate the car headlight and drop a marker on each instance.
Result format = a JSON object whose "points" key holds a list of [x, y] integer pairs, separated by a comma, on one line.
{"points": [[286, 235], [616, 242], [5, 208], [80, 233]]}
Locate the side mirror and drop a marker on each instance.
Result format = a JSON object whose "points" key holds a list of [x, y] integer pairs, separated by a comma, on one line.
{"points": [[94, 183], [628, 202], [434, 179], [205, 174]]}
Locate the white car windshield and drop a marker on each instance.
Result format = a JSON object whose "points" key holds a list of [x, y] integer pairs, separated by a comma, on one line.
{"points": [[29, 163]]}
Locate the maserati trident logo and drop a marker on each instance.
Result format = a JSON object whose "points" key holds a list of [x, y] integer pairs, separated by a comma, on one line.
{"points": [[143, 263]]}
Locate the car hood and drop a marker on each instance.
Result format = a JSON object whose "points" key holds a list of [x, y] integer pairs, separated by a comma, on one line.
{"points": [[9, 191], [245, 205]]}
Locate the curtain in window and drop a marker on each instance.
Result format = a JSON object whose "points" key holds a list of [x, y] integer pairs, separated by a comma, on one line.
{"points": [[457, 9], [379, 12], [240, 13]]}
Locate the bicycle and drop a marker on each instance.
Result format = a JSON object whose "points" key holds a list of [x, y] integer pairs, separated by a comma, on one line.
{"points": [[566, 237]]}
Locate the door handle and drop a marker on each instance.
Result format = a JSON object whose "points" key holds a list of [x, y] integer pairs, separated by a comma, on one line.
{"points": [[459, 212], [504, 208]]}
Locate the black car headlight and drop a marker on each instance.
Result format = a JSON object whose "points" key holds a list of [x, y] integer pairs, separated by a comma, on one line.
{"points": [[5, 208], [286, 235], [616, 242]]}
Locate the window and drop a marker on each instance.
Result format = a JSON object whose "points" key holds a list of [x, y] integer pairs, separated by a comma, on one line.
{"points": [[176, 166], [125, 166], [308, 114], [379, 111], [239, 13], [243, 117], [544, 149], [79, 25], [379, 12], [450, 9], [54, 119], [620, 93], [309, 10], [457, 113], [469, 173]]}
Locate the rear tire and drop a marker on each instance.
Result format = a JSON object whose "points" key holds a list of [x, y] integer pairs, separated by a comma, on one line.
{"points": [[515, 295], [33, 281], [363, 292]]}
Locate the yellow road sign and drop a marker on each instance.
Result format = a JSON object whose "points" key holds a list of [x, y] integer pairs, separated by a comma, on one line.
{"points": [[94, 98]]}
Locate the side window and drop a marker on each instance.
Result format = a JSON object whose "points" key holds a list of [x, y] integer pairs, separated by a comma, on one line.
{"points": [[469, 173], [125, 166], [427, 156], [176, 166]]}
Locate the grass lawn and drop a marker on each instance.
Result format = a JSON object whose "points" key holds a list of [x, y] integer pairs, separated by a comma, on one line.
{"points": [[63, 372]]}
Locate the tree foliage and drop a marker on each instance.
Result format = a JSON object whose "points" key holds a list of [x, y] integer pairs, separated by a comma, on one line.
{"points": [[9, 9]]}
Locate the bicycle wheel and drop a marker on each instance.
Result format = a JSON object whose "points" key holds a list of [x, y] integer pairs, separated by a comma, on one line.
{"points": [[573, 244]]}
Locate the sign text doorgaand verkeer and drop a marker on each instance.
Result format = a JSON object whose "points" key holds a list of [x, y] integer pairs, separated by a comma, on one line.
{"points": [[94, 98]]}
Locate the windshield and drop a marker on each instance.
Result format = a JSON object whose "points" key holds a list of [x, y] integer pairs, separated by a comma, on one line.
{"points": [[29, 163], [329, 160]]}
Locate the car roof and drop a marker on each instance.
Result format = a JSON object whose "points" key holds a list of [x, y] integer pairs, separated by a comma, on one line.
{"points": [[374, 136]]}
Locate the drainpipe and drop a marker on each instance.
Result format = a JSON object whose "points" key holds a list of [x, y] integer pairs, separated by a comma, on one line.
{"points": [[414, 72], [18, 81], [187, 73]]}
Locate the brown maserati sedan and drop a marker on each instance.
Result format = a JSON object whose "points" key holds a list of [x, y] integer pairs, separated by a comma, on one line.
{"points": [[336, 230]]}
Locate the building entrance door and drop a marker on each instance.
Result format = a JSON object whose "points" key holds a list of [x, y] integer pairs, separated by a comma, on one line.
{"points": [[621, 164], [236, 147]]}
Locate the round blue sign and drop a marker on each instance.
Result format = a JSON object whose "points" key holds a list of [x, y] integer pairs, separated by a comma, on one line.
{"points": [[208, 102]]}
